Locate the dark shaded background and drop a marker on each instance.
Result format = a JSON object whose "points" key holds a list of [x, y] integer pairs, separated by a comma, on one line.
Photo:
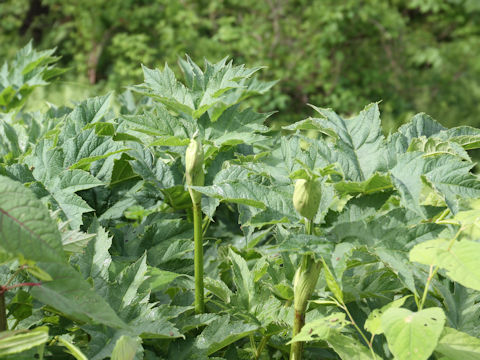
{"points": [[414, 55]]}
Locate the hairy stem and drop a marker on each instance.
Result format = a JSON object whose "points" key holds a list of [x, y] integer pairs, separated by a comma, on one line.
{"points": [[303, 287], [198, 260], [297, 347]]}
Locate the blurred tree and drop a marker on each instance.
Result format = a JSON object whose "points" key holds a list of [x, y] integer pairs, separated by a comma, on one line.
{"points": [[414, 55]]}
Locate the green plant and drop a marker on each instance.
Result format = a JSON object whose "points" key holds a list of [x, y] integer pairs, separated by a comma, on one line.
{"points": [[100, 226], [196, 177], [306, 199]]}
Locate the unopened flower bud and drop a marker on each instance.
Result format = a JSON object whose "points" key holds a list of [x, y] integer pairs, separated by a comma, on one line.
{"points": [[194, 168], [306, 197]]}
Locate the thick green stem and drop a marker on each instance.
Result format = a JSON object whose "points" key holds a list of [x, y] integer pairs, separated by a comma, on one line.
{"points": [[309, 227], [198, 260], [3, 312], [296, 349], [304, 284]]}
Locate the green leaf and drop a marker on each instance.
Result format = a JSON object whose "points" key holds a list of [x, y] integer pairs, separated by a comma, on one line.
{"points": [[358, 141], [127, 283], [450, 177], [420, 125], [236, 127], [221, 333], [373, 324], [27, 230], [217, 88], [218, 288], [75, 180], [455, 344], [87, 147], [412, 335], [13, 342], [95, 260], [348, 348], [270, 204], [321, 329], [163, 86], [125, 348], [158, 279], [332, 283], [460, 260], [28, 70], [69, 293], [434, 146], [160, 123], [243, 279], [73, 206], [375, 183], [304, 244], [90, 111], [466, 136]]}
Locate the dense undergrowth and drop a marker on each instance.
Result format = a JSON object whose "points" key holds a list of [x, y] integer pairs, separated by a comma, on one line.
{"points": [[97, 226]]}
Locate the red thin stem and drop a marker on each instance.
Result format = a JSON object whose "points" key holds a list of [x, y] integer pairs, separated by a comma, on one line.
{"points": [[4, 289]]}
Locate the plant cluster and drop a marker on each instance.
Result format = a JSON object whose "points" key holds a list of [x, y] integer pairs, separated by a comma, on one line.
{"points": [[169, 223]]}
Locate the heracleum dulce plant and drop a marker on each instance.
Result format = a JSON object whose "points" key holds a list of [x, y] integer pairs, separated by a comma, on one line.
{"points": [[372, 252], [306, 200], [195, 176]]}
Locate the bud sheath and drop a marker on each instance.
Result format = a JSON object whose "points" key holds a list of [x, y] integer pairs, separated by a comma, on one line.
{"points": [[194, 168]]}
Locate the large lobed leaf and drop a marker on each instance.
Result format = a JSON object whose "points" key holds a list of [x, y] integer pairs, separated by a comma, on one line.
{"points": [[26, 228]]}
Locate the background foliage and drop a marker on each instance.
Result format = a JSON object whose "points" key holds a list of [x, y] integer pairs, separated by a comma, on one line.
{"points": [[414, 55]]}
